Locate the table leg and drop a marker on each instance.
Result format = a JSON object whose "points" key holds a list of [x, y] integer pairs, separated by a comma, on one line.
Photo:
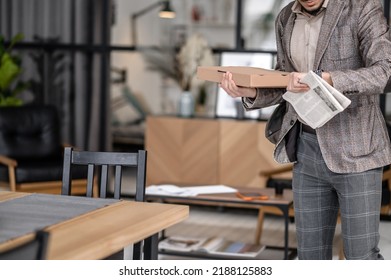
{"points": [[286, 216]]}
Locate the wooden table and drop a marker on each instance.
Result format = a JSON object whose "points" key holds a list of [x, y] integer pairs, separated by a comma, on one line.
{"points": [[282, 202], [102, 232]]}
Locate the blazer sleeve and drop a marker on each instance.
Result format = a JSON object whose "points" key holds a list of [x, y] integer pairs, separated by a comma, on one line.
{"points": [[375, 51]]}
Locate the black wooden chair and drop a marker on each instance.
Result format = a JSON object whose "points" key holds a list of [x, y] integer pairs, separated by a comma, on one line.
{"points": [[34, 249], [103, 164]]}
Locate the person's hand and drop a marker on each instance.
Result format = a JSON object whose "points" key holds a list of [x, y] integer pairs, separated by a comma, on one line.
{"points": [[294, 84], [228, 84]]}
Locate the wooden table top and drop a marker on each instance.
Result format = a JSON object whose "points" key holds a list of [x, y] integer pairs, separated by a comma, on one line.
{"points": [[102, 232]]}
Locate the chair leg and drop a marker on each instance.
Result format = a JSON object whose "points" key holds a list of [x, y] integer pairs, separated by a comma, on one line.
{"points": [[95, 190], [341, 254], [151, 247], [258, 231], [137, 251], [12, 179]]}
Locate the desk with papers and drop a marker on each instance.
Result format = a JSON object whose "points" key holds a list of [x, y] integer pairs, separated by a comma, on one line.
{"points": [[226, 196]]}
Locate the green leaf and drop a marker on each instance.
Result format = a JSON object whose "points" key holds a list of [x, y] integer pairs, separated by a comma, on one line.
{"points": [[8, 71], [10, 101]]}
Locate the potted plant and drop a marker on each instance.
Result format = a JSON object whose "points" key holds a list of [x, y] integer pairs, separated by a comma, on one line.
{"points": [[181, 67], [10, 70]]}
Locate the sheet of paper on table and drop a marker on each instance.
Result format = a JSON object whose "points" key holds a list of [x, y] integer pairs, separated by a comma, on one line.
{"points": [[174, 190]]}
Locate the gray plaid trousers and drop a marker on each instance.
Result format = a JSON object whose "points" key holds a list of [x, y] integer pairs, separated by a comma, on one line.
{"points": [[318, 196]]}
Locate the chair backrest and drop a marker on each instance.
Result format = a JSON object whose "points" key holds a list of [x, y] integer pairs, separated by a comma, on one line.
{"points": [[24, 127], [35, 249], [105, 160]]}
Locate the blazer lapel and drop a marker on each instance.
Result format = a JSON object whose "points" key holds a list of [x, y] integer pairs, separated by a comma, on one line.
{"points": [[330, 20], [287, 37]]}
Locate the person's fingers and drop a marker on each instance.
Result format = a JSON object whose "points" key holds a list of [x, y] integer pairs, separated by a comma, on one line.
{"points": [[295, 84], [232, 87], [224, 81], [228, 85]]}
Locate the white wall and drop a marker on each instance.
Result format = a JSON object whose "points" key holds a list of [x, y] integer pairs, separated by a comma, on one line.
{"points": [[138, 79], [217, 25]]}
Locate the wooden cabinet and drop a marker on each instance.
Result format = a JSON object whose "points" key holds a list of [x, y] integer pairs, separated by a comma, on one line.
{"points": [[238, 153], [207, 151], [182, 151]]}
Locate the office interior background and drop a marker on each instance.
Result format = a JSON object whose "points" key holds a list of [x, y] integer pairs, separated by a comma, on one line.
{"points": [[91, 59], [88, 57]]}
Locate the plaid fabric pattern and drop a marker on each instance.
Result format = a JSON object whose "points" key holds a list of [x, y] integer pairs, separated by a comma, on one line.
{"points": [[354, 47], [319, 194]]}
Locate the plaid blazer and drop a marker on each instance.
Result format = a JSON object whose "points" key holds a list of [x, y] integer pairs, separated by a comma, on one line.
{"points": [[354, 46]]}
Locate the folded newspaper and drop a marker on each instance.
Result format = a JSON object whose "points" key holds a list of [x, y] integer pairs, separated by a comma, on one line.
{"points": [[318, 105]]}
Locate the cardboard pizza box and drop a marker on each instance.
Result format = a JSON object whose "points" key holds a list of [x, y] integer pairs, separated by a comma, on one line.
{"points": [[245, 76]]}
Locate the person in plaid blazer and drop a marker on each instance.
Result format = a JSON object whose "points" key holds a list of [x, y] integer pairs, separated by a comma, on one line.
{"points": [[337, 167]]}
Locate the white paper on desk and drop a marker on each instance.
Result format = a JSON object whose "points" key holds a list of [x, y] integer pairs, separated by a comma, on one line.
{"points": [[210, 189], [168, 190], [187, 191]]}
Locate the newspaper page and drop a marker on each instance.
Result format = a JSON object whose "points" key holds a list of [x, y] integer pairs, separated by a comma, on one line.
{"points": [[318, 105], [212, 245]]}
